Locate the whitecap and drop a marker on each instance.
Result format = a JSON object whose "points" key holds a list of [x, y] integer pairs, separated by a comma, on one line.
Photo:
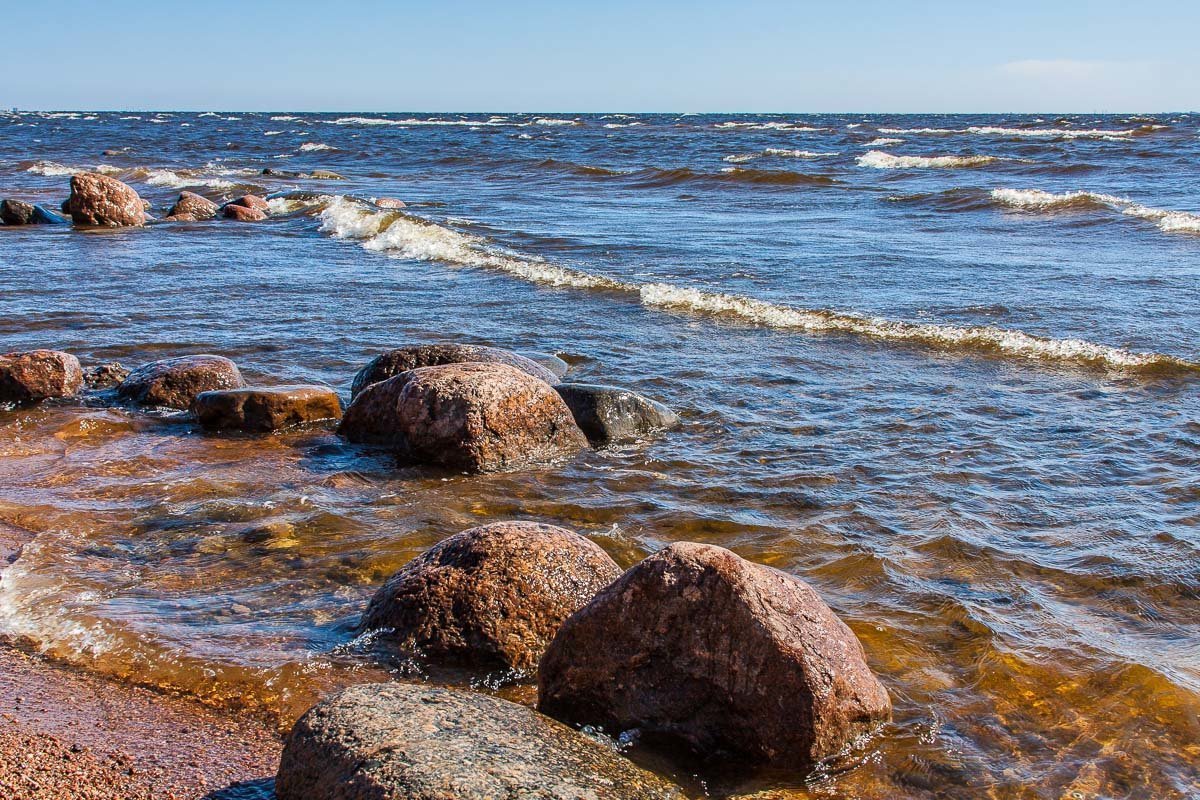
{"points": [[881, 160], [1167, 220]]}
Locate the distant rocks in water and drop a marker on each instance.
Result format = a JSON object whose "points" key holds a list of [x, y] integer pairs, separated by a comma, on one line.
{"points": [[398, 741], [324, 175], [100, 200], [468, 416], [191, 207], [18, 212], [175, 382], [390, 202], [735, 662], [610, 415], [36, 375], [265, 409], [403, 359], [490, 597], [316, 174], [104, 376]]}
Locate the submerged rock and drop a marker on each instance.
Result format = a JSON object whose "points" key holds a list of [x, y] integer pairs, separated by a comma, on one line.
{"points": [[734, 661], [472, 417], [191, 207], [104, 201], [610, 415], [36, 375], [492, 596], [104, 376], [243, 213], [394, 362], [265, 409], [175, 382], [398, 741]]}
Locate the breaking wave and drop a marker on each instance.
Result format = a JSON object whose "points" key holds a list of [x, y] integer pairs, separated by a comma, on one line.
{"points": [[1033, 133], [775, 152], [881, 160], [1038, 200], [312, 147]]}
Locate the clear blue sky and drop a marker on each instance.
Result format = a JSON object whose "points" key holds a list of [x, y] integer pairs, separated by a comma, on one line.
{"points": [[531, 55]]}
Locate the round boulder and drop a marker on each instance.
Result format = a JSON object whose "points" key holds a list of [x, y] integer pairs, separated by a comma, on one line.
{"points": [[191, 207], [102, 200], [265, 409], [398, 741], [492, 596], [251, 201], [175, 382], [394, 362], [243, 213], [610, 415], [730, 660], [470, 417], [38, 375]]}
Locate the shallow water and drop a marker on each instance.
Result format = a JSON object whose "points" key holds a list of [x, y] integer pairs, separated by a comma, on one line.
{"points": [[968, 416]]}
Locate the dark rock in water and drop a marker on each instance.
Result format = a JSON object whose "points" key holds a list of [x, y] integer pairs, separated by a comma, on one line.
{"points": [[36, 375], [44, 216], [734, 661], [471, 417], [104, 376], [492, 596], [390, 202], [243, 213], [265, 409], [16, 212], [191, 207], [610, 415], [104, 201], [398, 741], [250, 201], [175, 382], [394, 362]]}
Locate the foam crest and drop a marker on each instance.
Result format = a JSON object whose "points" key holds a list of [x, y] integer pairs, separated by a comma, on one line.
{"points": [[775, 152], [53, 168], [881, 160], [1033, 133], [1167, 220], [312, 147]]}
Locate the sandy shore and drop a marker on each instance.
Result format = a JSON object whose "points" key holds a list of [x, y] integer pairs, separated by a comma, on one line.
{"points": [[65, 734]]}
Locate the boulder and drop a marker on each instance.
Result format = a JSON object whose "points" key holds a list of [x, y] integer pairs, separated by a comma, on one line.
{"points": [[490, 597], [191, 207], [470, 417], [243, 214], [394, 362], [390, 202], [37, 375], [251, 201], [175, 382], [16, 212], [398, 741], [104, 376], [610, 415], [265, 409], [732, 661], [102, 200]]}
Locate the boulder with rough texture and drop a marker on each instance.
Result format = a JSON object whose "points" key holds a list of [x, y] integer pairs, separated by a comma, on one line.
{"points": [[398, 741], [175, 382], [733, 661], [38, 375], [104, 201], [243, 213], [251, 201], [470, 417], [610, 415], [265, 409], [492, 596], [393, 362], [191, 207], [104, 376], [16, 212]]}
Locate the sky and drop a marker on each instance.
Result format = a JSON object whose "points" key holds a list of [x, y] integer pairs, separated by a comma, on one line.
{"points": [[1062, 56]]}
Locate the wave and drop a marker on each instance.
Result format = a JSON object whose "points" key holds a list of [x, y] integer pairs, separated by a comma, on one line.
{"points": [[883, 142], [881, 160], [1035, 133], [775, 152], [1038, 200], [769, 126], [682, 176], [53, 168], [312, 147], [403, 235]]}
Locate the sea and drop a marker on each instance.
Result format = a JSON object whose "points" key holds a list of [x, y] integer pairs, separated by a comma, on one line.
{"points": [[943, 368]]}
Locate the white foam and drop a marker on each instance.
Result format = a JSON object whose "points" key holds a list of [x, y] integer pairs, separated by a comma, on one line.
{"points": [[273, 133], [177, 180], [310, 147], [881, 160], [883, 142], [1167, 220], [285, 119], [775, 152], [769, 126], [554, 121], [52, 168], [1034, 133]]}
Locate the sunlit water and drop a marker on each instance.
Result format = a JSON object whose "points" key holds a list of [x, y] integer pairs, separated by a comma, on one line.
{"points": [[949, 380]]}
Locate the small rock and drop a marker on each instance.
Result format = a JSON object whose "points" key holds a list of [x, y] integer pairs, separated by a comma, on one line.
{"points": [[390, 202], [251, 201], [609, 415], [102, 200], [397, 741], [16, 212], [471, 417], [265, 409], [37, 375], [191, 207], [243, 214], [175, 382], [734, 661], [394, 362], [491, 596], [104, 376]]}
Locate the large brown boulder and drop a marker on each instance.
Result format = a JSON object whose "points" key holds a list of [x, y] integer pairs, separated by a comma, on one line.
{"points": [[243, 213], [471, 417], [732, 661], [175, 382], [490, 597], [191, 207], [38, 375], [265, 409], [394, 362], [399, 741], [102, 200]]}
